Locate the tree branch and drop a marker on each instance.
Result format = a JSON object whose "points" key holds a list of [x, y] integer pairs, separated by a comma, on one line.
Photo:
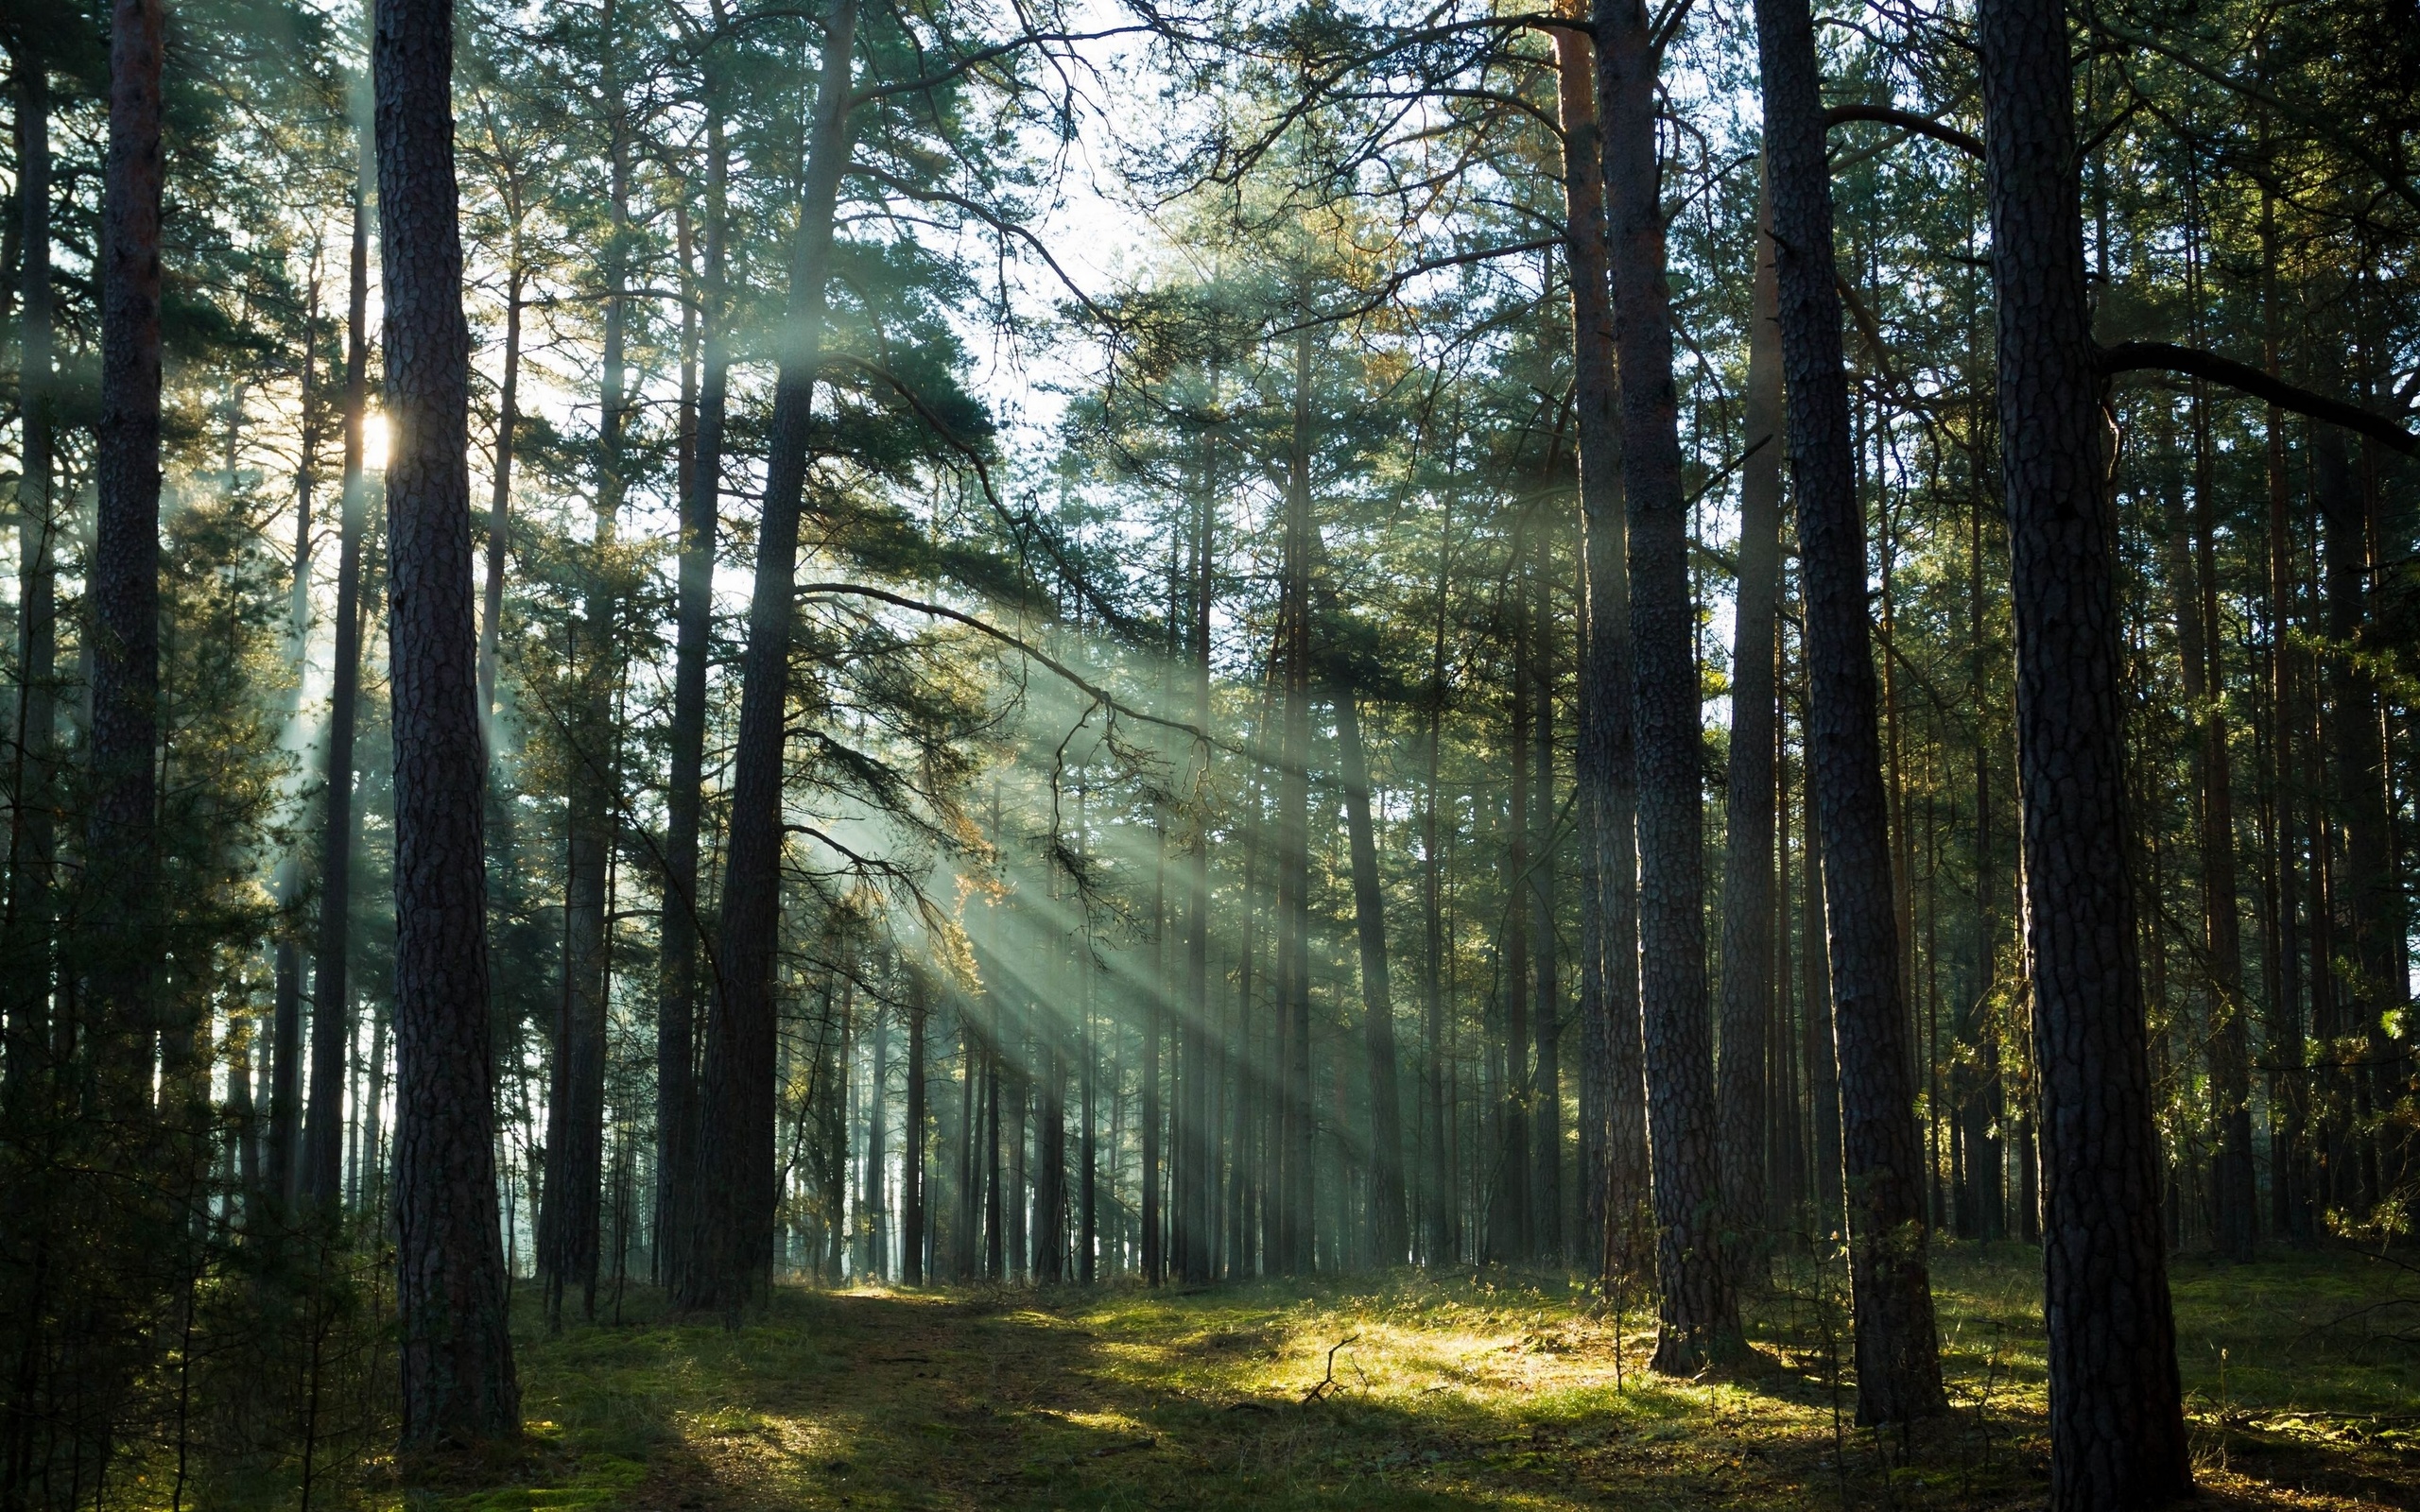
{"points": [[1906, 121], [2166, 356]]}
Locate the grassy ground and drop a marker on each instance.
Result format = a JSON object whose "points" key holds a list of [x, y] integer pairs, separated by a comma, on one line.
{"points": [[2302, 1376]]}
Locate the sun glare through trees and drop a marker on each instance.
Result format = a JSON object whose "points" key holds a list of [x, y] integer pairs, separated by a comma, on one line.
{"points": [[1310, 753]]}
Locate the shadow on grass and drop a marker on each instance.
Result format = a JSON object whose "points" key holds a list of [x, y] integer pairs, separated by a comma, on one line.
{"points": [[1423, 1392]]}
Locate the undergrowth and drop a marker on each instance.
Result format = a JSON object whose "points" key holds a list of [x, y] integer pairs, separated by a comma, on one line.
{"points": [[1418, 1391]]}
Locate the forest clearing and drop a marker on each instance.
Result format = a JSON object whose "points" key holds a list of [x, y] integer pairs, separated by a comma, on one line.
{"points": [[1444, 1391]]}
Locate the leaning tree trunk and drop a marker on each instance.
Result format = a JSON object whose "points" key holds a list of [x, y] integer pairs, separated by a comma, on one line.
{"points": [[2117, 1418], [332, 1024], [1699, 1319], [1389, 1228], [1898, 1371], [1613, 1087], [1748, 831], [676, 1108], [735, 1180], [458, 1376], [121, 862]]}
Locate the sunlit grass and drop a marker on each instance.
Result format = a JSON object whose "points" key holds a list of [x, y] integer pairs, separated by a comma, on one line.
{"points": [[1410, 1391]]}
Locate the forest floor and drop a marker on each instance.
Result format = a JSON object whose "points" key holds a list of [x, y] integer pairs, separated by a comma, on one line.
{"points": [[2302, 1377]]}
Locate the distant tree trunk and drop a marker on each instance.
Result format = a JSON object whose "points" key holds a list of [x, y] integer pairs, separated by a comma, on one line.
{"points": [[1984, 1105], [508, 420], [1818, 1050], [459, 1383], [1747, 833], [1291, 1211], [878, 1169], [2365, 888], [1197, 1197], [2195, 589], [2117, 1421], [1545, 1014], [911, 1142], [1389, 1231], [575, 1111], [1511, 1234], [332, 1027], [676, 1109], [2289, 1053], [1898, 1372], [121, 863], [736, 1134], [1699, 1318], [1442, 1246], [32, 827]]}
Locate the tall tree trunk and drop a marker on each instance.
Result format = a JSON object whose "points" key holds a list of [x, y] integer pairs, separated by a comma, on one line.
{"points": [[1441, 1244], [1984, 1105], [1748, 831], [1697, 1316], [676, 1108], [332, 1027], [912, 1140], [1291, 1208], [508, 420], [1898, 1373], [31, 823], [1510, 1232], [1613, 1116], [458, 1373], [2117, 1418], [735, 1133], [1204, 1066], [1546, 1013], [2365, 900], [121, 863], [1390, 1229], [576, 1112], [2289, 1074]]}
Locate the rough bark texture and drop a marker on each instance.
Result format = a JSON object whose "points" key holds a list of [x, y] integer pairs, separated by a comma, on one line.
{"points": [[1389, 1230], [1747, 833], [734, 1186], [459, 1383], [1898, 1370], [331, 984], [676, 1106], [120, 884], [1613, 1089], [1697, 1316], [2117, 1421]]}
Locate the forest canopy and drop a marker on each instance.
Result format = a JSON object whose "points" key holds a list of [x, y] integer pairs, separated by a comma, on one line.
{"points": [[701, 661]]}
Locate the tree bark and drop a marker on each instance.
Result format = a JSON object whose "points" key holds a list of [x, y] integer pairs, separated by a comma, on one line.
{"points": [[735, 1128], [1898, 1372], [32, 828], [676, 1106], [459, 1383], [1290, 1225], [1697, 1316], [121, 862], [1389, 1230], [1747, 833], [1613, 1114], [332, 1027], [2116, 1420], [1546, 1013]]}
